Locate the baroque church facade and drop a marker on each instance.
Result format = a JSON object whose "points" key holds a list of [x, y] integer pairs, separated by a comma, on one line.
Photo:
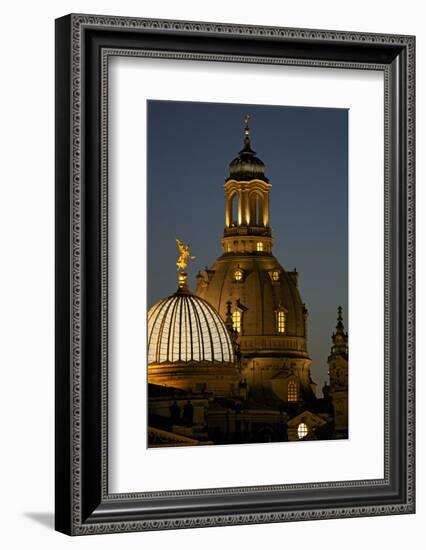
{"points": [[230, 363]]}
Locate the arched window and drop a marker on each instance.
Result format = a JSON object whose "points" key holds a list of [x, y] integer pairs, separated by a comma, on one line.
{"points": [[281, 321], [292, 391], [302, 430], [236, 320], [256, 209], [233, 210], [259, 247]]}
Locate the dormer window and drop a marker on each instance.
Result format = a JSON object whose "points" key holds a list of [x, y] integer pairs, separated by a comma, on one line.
{"points": [[238, 275], [275, 276]]}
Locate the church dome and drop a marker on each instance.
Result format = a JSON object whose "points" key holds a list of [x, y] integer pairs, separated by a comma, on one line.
{"points": [[186, 328], [246, 166], [263, 286], [269, 315]]}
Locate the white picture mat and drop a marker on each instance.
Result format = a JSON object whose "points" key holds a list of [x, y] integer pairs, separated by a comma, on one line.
{"points": [[133, 467]]}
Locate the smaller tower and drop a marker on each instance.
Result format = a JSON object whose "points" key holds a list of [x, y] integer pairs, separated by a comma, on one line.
{"points": [[247, 228], [338, 375]]}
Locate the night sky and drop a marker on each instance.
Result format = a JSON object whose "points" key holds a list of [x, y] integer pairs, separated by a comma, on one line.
{"points": [[305, 151]]}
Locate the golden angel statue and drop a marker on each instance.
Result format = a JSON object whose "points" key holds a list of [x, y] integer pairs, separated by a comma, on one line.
{"points": [[184, 255]]}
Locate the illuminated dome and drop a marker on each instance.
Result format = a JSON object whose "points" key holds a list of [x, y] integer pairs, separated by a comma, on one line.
{"points": [[189, 346], [186, 328], [264, 288]]}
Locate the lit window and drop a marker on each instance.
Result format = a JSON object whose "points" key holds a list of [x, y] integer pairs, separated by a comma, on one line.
{"points": [[292, 391], [238, 275], [302, 430], [236, 320], [259, 247], [275, 276], [281, 321]]}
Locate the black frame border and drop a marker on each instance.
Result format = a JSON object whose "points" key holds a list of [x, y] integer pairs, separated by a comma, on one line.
{"points": [[83, 45]]}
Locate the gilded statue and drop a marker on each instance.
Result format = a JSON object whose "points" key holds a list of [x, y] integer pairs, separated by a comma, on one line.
{"points": [[184, 255]]}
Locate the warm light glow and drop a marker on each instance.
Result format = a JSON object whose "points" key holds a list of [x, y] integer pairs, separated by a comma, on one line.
{"points": [[302, 430], [281, 321], [182, 279], [238, 275], [236, 320], [276, 276], [259, 247], [247, 214], [292, 391], [232, 210], [186, 328]]}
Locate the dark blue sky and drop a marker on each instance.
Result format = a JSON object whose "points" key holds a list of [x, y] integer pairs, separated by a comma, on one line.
{"points": [[305, 151]]}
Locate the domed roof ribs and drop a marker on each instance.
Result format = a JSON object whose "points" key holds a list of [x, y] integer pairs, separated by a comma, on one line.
{"points": [[171, 333], [188, 313], [163, 304], [167, 304], [154, 308], [184, 322], [201, 310], [218, 330], [151, 315], [195, 326], [201, 350], [180, 330]]}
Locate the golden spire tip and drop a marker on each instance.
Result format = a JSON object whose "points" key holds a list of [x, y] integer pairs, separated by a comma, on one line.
{"points": [[247, 127]]}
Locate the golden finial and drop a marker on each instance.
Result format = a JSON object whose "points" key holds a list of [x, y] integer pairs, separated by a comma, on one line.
{"points": [[182, 262], [247, 128]]}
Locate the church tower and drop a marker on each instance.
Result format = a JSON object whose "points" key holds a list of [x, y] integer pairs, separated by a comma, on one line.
{"points": [[247, 203], [338, 374], [248, 283]]}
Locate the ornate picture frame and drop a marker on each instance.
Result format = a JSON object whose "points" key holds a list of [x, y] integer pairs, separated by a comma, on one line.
{"points": [[84, 44]]}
